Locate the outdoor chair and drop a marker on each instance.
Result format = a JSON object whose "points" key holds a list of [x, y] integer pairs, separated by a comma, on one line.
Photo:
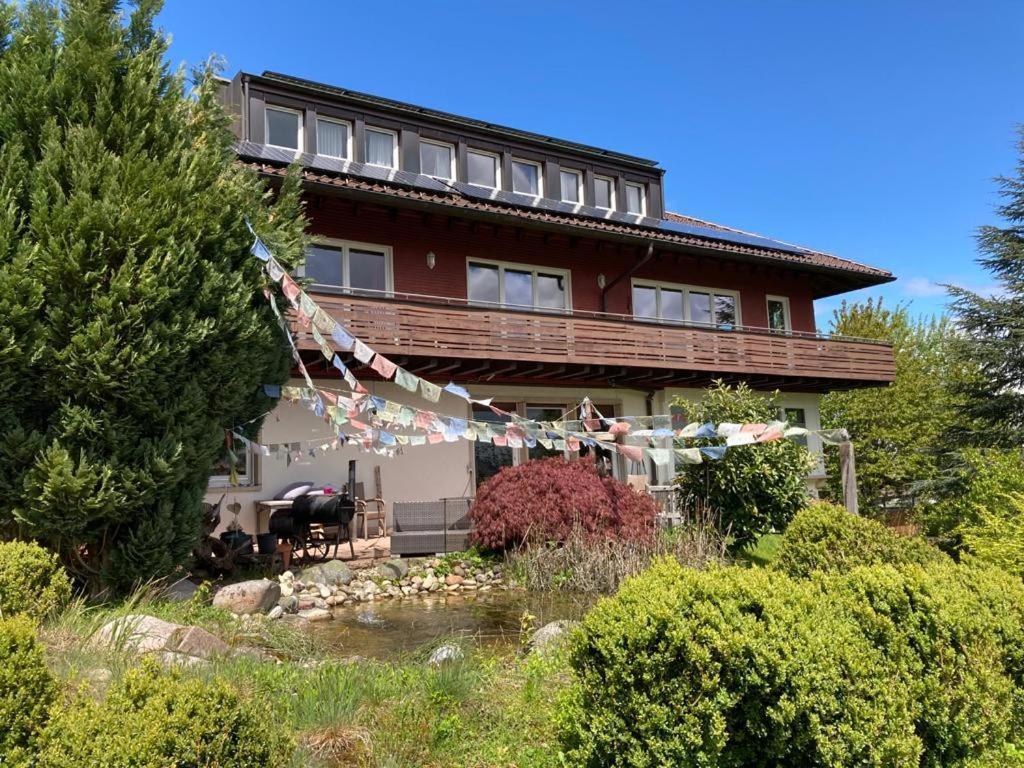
{"points": [[364, 512], [430, 527]]}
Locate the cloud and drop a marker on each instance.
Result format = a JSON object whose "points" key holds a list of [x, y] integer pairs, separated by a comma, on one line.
{"points": [[921, 288]]}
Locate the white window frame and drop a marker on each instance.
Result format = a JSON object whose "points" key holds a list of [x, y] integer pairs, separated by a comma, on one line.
{"points": [[611, 187], [643, 198], [686, 291], [246, 478], [450, 148], [299, 132], [394, 146], [788, 317], [540, 177], [534, 270], [579, 185], [497, 167], [348, 143], [346, 246]]}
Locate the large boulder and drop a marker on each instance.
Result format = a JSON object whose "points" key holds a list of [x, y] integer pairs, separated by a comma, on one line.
{"points": [[333, 572], [180, 591], [197, 642], [245, 597], [550, 636], [136, 633]]}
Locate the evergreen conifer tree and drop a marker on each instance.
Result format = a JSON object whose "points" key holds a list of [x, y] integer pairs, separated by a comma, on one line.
{"points": [[133, 329], [992, 326]]}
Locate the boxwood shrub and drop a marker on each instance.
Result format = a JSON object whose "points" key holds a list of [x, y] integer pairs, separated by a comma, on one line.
{"points": [[26, 689], [32, 581], [880, 666], [825, 537], [153, 718]]}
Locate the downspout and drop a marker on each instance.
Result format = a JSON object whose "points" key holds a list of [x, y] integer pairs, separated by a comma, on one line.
{"points": [[628, 273], [245, 108]]}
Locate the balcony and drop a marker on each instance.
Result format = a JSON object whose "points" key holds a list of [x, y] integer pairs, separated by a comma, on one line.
{"points": [[601, 347]]}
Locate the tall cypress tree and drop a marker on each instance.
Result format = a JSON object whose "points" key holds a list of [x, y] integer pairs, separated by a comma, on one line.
{"points": [[133, 328], [993, 326]]}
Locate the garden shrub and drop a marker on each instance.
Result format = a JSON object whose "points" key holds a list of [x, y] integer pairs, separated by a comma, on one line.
{"points": [[26, 689], [154, 718], [32, 581], [545, 500], [825, 537], [880, 666], [995, 533]]}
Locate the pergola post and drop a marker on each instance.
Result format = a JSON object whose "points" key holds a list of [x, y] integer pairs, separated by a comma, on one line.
{"points": [[848, 473]]}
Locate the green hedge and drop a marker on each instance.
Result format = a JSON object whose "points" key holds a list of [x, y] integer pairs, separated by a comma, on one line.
{"points": [[154, 718], [32, 581], [743, 667], [26, 689], [825, 537]]}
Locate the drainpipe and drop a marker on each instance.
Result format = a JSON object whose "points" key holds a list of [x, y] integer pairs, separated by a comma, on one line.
{"points": [[628, 273], [245, 108]]}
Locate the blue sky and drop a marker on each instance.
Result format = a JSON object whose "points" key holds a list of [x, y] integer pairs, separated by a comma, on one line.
{"points": [[870, 129]]}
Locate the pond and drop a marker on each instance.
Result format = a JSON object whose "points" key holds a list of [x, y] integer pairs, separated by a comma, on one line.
{"points": [[388, 629]]}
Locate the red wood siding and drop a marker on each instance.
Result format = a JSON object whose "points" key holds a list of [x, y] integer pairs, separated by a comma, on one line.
{"points": [[411, 235]]}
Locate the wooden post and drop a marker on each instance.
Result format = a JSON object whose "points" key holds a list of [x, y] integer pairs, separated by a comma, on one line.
{"points": [[848, 473]]}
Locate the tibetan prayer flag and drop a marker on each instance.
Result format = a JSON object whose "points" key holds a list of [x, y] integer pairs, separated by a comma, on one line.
{"points": [[740, 438], [706, 430], [549, 444], [431, 392], [260, 251], [500, 440], [402, 439], [769, 434], [275, 270], [336, 362], [470, 433], [727, 428], [796, 431], [834, 436], [306, 304], [350, 379], [291, 288], [662, 432], [407, 381], [378, 402], [435, 437], [324, 322], [456, 390], [572, 444], [272, 390], [386, 438], [558, 445], [632, 452], [423, 419], [383, 366], [619, 428], [362, 352], [689, 455], [342, 338], [531, 442], [406, 415], [714, 452], [330, 397], [690, 430], [417, 439], [661, 457], [513, 441], [754, 428]]}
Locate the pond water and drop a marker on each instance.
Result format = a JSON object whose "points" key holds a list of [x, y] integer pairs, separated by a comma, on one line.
{"points": [[390, 629]]}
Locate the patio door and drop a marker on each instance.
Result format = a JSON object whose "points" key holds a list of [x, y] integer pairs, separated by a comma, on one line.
{"points": [[488, 458]]}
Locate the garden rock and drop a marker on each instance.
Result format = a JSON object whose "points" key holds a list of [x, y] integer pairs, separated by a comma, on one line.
{"points": [[290, 603], [550, 636], [315, 614], [453, 578], [393, 569], [333, 572], [445, 654], [180, 591], [172, 659], [276, 612], [246, 597], [196, 641], [136, 633]]}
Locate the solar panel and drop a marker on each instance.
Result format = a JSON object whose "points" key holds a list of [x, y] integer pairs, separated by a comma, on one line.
{"points": [[730, 237]]}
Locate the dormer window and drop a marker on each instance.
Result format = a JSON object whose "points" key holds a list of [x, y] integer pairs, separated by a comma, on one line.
{"points": [[437, 159], [333, 138], [483, 169], [604, 192], [636, 199], [284, 128], [381, 147], [526, 178], [572, 186]]}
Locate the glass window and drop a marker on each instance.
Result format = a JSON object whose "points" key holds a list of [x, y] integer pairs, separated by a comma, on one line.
{"points": [[482, 169], [517, 287], [645, 301], [671, 305], [381, 147], [544, 413], [572, 181], [325, 264], [796, 417], [489, 459], [236, 463], [682, 304], [604, 192], [525, 177], [284, 128], [778, 314], [551, 291], [331, 138], [367, 270], [700, 308], [484, 283], [348, 267], [635, 199], [436, 159]]}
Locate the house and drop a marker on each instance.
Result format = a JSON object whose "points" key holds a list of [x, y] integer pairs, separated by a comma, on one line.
{"points": [[533, 270]]}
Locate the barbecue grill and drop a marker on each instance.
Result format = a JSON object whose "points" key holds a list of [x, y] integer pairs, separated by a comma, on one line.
{"points": [[303, 525]]}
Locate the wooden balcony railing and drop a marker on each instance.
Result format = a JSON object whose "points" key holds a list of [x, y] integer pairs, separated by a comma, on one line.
{"points": [[427, 326]]}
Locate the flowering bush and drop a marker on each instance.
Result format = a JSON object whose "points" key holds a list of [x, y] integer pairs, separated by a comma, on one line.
{"points": [[545, 500]]}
